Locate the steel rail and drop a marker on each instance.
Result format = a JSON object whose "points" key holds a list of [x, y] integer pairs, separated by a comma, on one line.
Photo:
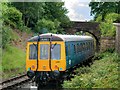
{"points": [[10, 83]]}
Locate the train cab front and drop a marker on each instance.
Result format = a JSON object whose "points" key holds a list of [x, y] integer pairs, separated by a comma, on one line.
{"points": [[45, 60]]}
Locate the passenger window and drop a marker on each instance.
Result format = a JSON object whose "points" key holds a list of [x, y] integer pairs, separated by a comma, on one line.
{"points": [[93, 45], [66, 49], [89, 45], [85, 45], [81, 47], [77, 48], [74, 49]]}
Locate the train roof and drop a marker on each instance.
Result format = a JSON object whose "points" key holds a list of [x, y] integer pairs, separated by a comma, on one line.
{"points": [[60, 37]]}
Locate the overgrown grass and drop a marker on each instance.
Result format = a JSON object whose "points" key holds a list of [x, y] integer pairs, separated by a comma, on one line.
{"points": [[13, 61], [103, 73], [8, 35], [0, 60]]}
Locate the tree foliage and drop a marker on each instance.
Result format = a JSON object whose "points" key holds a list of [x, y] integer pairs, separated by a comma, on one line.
{"points": [[11, 17], [56, 11], [39, 11], [104, 8], [32, 11], [106, 13], [107, 28], [14, 16], [38, 16], [5, 33], [49, 25]]}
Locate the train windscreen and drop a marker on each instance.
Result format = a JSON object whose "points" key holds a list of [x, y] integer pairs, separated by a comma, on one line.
{"points": [[44, 51], [33, 51], [55, 51]]}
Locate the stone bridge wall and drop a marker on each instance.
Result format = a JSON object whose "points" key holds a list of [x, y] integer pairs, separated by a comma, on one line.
{"points": [[107, 43]]}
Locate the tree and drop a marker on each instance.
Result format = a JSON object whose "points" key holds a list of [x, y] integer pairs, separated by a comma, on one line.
{"points": [[57, 11], [35, 11], [104, 8], [14, 17], [32, 11], [107, 28], [44, 25]]}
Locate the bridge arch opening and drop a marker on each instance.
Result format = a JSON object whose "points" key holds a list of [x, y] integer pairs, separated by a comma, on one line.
{"points": [[91, 27], [96, 40]]}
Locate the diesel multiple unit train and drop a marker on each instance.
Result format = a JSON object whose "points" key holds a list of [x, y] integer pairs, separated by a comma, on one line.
{"points": [[50, 56]]}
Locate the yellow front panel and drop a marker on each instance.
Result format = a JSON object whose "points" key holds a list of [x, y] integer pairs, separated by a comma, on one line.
{"points": [[44, 65]]}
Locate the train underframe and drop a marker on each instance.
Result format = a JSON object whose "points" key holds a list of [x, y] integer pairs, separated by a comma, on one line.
{"points": [[43, 77]]}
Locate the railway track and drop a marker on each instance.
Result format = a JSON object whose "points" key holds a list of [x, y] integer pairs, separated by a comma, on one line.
{"points": [[14, 82]]}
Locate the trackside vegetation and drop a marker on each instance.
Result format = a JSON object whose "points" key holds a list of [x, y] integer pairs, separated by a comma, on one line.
{"points": [[103, 73], [13, 62]]}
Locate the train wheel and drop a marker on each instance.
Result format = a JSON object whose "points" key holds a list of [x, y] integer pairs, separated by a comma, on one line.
{"points": [[40, 85]]}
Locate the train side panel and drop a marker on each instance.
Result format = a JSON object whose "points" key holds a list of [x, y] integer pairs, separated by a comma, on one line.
{"points": [[77, 52]]}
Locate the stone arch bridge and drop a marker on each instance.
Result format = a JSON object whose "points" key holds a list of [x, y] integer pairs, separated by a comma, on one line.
{"points": [[90, 27]]}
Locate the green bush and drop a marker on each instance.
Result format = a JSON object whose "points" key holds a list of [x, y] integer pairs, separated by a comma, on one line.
{"points": [[0, 60], [103, 73], [107, 28], [82, 70], [13, 17], [44, 26], [23, 28]]}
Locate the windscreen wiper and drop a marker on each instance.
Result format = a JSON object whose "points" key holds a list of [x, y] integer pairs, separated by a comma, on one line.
{"points": [[54, 45]]}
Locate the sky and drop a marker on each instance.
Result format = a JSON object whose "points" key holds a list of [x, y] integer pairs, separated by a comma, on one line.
{"points": [[78, 10]]}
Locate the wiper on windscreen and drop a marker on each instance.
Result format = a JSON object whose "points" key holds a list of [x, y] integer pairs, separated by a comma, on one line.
{"points": [[54, 45], [35, 45]]}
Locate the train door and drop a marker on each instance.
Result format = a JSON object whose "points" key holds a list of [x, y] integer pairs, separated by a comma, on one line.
{"points": [[44, 56], [68, 55]]}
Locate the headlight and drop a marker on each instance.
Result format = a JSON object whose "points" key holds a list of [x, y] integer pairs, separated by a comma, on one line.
{"points": [[30, 74], [56, 73]]}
